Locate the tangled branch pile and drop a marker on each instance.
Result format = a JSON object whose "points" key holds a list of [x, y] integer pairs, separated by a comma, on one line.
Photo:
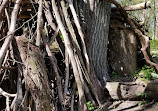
{"points": [[38, 77]]}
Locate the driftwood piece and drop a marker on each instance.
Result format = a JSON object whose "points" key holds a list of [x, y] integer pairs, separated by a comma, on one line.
{"points": [[34, 71], [133, 90]]}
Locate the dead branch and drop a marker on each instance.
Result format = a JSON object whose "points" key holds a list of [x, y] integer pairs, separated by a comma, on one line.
{"points": [[10, 34], [58, 78], [80, 31], [49, 16], [66, 74], [68, 23], [39, 23], [143, 38], [140, 6], [7, 95], [82, 105], [3, 5]]}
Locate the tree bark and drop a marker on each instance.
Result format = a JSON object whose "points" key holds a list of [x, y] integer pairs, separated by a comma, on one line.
{"points": [[34, 71], [98, 40]]}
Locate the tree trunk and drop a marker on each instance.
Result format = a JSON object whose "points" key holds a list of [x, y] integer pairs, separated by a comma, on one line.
{"points": [[122, 47], [98, 40], [34, 71]]}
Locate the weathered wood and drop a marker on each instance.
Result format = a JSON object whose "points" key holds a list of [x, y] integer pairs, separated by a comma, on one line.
{"points": [[10, 33], [133, 90], [122, 47], [82, 105], [34, 71], [139, 6]]}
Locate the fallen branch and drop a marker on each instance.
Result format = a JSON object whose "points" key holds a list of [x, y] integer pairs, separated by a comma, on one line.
{"points": [[34, 71], [82, 105]]}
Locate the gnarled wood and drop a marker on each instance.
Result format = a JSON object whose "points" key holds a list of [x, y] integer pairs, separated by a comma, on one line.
{"points": [[133, 90], [34, 71]]}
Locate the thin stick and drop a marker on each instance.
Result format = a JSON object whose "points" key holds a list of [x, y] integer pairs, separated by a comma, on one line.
{"points": [[68, 23], [39, 23], [67, 74], [2, 6], [80, 33], [49, 16], [72, 96], [7, 95], [82, 105], [58, 78], [7, 41], [7, 15]]}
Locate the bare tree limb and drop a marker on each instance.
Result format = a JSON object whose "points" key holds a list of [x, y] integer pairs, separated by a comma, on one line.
{"points": [[39, 23], [66, 75], [80, 33], [82, 105], [7, 41], [58, 78], [140, 6], [3, 5], [49, 16], [7, 95]]}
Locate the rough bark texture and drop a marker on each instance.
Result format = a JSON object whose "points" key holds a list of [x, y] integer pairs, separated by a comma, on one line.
{"points": [[99, 39], [122, 48], [35, 74]]}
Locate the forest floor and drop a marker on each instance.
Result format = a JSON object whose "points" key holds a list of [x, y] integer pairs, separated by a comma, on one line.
{"points": [[136, 105]]}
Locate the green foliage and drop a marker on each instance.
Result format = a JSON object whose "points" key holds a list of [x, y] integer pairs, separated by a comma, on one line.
{"points": [[145, 73], [114, 75], [90, 106], [156, 103], [61, 36], [142, 103], [154, 47], [150, 14], [143, 95]]}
